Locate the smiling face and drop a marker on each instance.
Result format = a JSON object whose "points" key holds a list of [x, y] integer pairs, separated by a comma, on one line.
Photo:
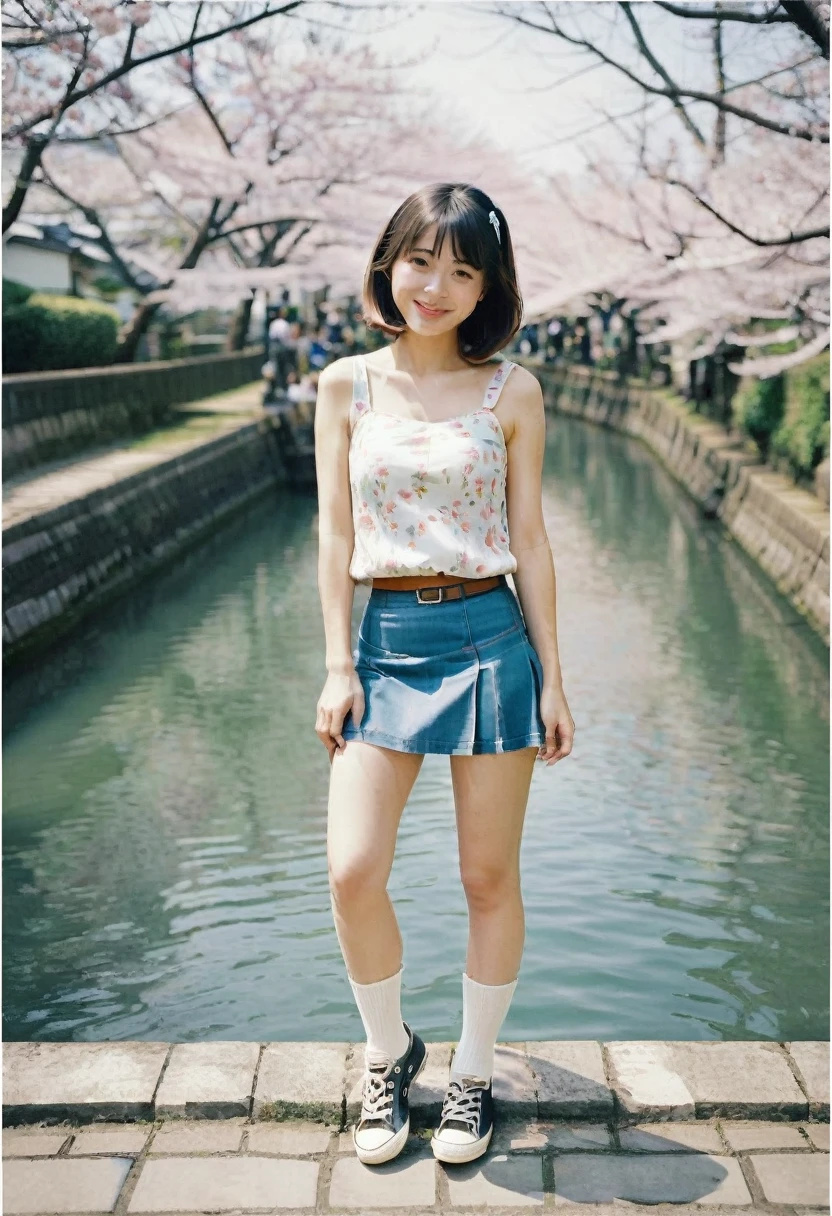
{"points": [[434, 292]]}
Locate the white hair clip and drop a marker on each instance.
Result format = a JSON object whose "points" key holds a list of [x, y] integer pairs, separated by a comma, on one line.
{"points": [[492, 219]]}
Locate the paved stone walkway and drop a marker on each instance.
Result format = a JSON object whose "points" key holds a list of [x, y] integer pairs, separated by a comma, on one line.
{"points": [[51, 485], [235, 1165], [247, 1127]]}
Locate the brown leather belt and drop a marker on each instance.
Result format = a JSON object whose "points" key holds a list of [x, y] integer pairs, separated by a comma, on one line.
{"points": [[431, 592]]}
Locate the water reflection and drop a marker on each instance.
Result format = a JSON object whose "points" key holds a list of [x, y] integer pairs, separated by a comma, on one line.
{"points": [[165, 798]]}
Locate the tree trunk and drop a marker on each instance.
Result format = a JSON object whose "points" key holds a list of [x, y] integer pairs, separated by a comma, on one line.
{"points": [[133, 331], [31, 160], [238, 329]]}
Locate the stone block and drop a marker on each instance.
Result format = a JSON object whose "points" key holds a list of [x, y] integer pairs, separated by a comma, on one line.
{"points": [[209, 1080], [37, 1142], [646, 1081], [497, 1182], [301, 1080], [818, 1133], [68, 1081], [204, 1136], [287, 1141], [406, 1182], [671, 1138], [536, 1136], [514, 1085], [570, 1080], [793, 1178], [116, 1141], [812, 1060], [224, 1184], [583, 1178], [744, 1137], [60, 1186], [680, 1080]]}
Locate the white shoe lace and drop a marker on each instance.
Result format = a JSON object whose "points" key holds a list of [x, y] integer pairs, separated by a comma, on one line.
{"points": [[462, 1103], [377, 1098]]}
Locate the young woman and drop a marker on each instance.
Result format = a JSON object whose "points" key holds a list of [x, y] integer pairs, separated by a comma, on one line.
{"points": [[429, 461]]}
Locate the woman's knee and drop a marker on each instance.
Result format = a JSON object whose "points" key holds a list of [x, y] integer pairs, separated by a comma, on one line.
{"points": [[488, 887], [357, 879]]}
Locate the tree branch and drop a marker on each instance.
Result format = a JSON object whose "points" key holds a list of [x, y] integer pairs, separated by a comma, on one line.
{"points": [[793, 238]]}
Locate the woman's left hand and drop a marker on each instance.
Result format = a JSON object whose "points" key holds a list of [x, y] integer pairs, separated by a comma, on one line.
{"points": [[560, 729]]}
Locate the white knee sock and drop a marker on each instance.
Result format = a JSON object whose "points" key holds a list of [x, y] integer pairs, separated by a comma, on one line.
{"points": [[381, 1012], [484, 1008]]}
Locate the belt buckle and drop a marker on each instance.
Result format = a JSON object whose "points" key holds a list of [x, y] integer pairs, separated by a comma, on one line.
{"points": [[420, 591]]}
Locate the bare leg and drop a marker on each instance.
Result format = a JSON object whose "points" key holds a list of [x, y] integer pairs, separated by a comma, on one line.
{"points": [[490, 795], [368, 789]]}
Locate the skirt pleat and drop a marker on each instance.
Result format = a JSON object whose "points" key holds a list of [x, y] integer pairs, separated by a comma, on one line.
{"points": [[456, 678]]}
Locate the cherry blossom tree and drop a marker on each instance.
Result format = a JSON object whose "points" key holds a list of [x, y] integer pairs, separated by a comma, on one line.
{"points": [[79, 71], [721, 223]]}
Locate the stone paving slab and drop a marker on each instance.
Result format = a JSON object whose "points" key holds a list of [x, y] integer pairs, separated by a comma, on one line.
{"points": [[678, 1080], [212, 1080], [202, 1137], [818, 1133], [746, 1136], [288, 1141], [812, 1060], [538, 1136], [407, 1182], [89, 1080], [63, 1186], [663, 1178], [224, 1184], [570, 1079], [793, 1177], [514, 1085], [32, 1142], [117, 1141], [301, 1079], [498, 1182], [671, 1138]]}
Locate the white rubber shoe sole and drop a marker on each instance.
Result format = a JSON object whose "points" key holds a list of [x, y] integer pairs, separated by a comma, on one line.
{"points": [[458, 1154], [392, 1147]]}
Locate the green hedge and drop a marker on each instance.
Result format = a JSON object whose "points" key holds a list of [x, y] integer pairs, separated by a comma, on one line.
{"points": [[43, 332], [758, 409], [802, 437], [787, 416]]}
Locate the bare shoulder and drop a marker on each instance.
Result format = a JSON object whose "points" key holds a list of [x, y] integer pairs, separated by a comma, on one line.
{"points": [[521, 403], [337, 373], [335, 389], [524, 386]]}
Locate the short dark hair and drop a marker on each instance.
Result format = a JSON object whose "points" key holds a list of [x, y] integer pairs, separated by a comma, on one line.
{"points": [[461, 211]]}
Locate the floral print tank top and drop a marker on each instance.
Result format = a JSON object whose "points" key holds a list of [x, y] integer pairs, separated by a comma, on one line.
{"points": [[428, 497]]}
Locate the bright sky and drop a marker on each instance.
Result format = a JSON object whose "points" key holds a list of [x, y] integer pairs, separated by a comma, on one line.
{"points": [[541, 97]]}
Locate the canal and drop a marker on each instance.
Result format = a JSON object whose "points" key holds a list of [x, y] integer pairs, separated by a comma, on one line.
{"points": [[165, 798]]}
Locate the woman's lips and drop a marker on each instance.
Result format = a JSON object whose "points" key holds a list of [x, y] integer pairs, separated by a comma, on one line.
{"points": [[430, 312]]}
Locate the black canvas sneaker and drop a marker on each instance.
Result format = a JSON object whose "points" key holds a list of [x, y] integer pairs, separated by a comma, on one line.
{"points": [[467, 1121], [382, 1130]]}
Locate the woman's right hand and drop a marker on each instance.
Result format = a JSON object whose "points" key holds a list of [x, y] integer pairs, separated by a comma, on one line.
{"points": [[341, 694]]}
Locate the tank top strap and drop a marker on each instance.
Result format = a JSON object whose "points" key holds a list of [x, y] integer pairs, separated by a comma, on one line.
{"points": [[495, 387], [360, 390]]}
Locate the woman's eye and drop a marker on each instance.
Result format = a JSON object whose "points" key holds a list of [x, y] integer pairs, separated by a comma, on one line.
{"points": [[464, 274], [419, 261]]}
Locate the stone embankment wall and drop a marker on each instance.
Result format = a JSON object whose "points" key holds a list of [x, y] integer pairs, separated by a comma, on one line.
{"points": [[63, 564], [784, 528], [54, 414]]}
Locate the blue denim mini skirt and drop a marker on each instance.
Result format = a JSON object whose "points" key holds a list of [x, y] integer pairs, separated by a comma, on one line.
{"points": [[457, 678]]}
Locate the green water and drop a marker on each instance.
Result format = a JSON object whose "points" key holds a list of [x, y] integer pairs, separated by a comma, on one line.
{"points": [[165, 798]]}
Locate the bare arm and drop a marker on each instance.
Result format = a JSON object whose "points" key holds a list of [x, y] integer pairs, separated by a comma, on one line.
{"points": [[335, 529], [535, 575], [335, 545]]}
